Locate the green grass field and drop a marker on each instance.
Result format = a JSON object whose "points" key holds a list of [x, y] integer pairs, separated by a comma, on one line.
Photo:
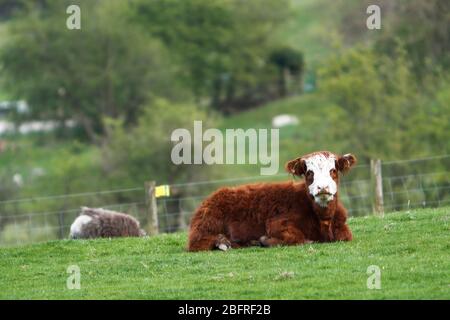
{"points": [[412, 249]]}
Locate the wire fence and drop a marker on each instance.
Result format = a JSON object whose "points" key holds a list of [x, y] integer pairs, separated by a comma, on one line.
{"points": [[406, 184]]}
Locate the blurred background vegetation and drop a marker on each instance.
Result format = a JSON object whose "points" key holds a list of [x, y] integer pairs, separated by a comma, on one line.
{"points": [[137, 69]]}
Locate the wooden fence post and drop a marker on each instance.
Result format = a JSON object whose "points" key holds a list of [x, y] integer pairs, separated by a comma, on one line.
{"points": [[152, 209], [378, 204]]}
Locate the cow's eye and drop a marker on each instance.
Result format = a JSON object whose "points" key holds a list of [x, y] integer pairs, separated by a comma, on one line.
{"points": [[333, 172], [309, 174]]}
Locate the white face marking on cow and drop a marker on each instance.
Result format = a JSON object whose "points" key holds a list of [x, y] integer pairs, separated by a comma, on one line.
{"points": [[77, 226], [323, 182]]}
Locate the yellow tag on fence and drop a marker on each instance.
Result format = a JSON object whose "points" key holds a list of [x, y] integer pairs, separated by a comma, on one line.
{"points": [[162, 191]]}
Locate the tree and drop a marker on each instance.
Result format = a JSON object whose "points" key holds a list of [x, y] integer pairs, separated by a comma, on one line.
{"points": [[420, 26], [378, 97], [423, 29], [108, 68], [289, 62], [222, 46]]}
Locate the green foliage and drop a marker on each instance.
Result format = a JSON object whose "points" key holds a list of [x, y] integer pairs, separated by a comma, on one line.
{"points": [[289, 62], [108, 68], [288, 58], [222, 46], [410, 248], [310, 27], [144, 152], [379, 98], [432, 129], [423, 28]]}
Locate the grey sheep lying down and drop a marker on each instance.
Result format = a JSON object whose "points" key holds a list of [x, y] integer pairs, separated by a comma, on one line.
{"points": [[101, 223]]}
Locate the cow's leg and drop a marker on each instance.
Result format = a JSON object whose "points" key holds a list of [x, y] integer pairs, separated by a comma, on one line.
{"points": [[255, 243], [340, 229], [342, 233], [210, 242], [222, 243], [289, 240], [282, 232], [244, 234]]}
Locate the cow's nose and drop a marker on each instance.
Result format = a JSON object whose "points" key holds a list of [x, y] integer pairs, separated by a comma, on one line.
{"points": [[324, 189]]}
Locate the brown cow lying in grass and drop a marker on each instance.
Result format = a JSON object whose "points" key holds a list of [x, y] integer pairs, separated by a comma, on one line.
{"points": [[271, 214], [101, 223]]}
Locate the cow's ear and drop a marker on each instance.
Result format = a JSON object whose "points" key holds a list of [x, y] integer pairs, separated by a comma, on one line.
{"points": [[345, 162], [296, 166]]}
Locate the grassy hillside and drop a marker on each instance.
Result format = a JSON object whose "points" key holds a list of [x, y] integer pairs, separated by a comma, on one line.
{"points": [[412, 250], [309, 28], [316, 117], [58, 157]]}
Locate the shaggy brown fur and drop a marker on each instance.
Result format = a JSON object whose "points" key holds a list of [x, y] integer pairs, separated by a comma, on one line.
{"points": [[101, 223], [270, 213]]}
